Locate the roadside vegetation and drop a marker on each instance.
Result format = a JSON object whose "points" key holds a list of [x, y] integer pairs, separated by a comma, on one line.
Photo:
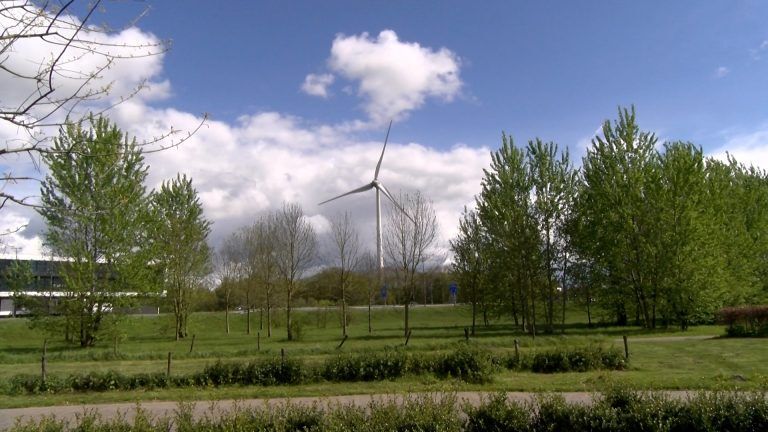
{"points": [[616, 410]]}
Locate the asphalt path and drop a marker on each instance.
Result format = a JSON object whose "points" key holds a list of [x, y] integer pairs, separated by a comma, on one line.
{"points": [[206, 408]]}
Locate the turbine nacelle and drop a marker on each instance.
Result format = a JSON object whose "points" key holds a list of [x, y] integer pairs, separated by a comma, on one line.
{"points": [[376, 184]]}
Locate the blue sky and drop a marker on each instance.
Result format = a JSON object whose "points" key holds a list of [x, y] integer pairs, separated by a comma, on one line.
{"points": [[299, 92], [549, 69]]}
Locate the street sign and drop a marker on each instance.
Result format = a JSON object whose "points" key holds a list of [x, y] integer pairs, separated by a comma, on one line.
{"points": [[454, 288], [384, 291]]}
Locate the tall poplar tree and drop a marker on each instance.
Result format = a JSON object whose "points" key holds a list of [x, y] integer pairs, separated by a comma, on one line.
{"points": [[180, 237], [505, 209], [98, 217]]}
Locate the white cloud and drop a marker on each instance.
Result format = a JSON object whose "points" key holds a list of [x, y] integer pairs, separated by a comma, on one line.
{"points": [[721, 72], [750, 148], [395, 77], [254, 164], [96, 61], [317, 85], [13, 242]]}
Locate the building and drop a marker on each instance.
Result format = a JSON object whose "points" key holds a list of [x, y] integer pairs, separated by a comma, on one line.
{"points": [[46, 281]]}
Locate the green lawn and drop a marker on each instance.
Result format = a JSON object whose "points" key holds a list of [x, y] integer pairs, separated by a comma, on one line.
{"points": [[663, 359]]}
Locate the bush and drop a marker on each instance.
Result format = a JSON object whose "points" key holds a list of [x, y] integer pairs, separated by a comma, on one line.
{"points": [[619, 409], [577, 360], [467, 363], [370, 366], [745, 320], [497, 415]]}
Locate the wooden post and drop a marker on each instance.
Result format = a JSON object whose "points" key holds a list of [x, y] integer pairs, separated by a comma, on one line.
{"points": [[192, 345], [408, 337], [168, 369], [258, 341], [44, 361], [626, 348], [342, 342], [282, 356], [517, 351], [466, 334]]}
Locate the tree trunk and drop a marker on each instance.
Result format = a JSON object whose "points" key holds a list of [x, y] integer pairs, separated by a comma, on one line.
{"points": [[343, 311], [407, 325], [288, 313], [269, 317], [226, 311], [247, 314]]}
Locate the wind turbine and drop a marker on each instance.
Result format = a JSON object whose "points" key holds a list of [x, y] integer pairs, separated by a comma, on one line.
{"points": [[380, 189]]}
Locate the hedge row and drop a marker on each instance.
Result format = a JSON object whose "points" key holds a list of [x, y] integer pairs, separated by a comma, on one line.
{"points": [[467, 363], [745, 320], [617, 410]]}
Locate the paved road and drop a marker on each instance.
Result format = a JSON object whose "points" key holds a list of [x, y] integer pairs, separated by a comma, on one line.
{"points": [[201, 408]]}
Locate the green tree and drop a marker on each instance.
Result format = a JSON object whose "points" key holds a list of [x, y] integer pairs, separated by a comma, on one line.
{"points": [[617, 206], [18, 278], [506, 212], [98, 217], [182, 251], [469, 259], [552, 178]]}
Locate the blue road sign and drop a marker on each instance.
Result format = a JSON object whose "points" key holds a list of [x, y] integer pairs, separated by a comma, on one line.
{"points": [[454, 288], [384, 291]]}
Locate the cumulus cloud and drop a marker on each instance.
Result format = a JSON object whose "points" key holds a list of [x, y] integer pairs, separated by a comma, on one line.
{"points": [[13, 242], [749, 148], [721, 72], [317, 85], [113, 65], [241, 170], [254, 164], [394, 77]]}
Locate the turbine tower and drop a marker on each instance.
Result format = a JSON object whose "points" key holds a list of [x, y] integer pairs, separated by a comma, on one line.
{"points": [[380, 189]]}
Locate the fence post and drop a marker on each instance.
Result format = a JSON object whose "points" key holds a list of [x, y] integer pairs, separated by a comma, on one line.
{"points": [[342, 342], [258, 341], [43, 361], [168, 369], [517, 351], [192, 345], [466, 334], [626, 348]]}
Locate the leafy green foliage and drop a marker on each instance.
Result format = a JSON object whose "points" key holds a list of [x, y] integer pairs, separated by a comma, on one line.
{"points": [[577, 360], [97, 211], [180, 234], [617, 410]]}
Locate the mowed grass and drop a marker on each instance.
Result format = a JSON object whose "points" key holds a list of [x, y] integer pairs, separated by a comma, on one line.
{"points": [[662, 359]]}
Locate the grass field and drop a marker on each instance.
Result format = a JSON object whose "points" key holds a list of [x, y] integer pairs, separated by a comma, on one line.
{"points": [[662, 359]]}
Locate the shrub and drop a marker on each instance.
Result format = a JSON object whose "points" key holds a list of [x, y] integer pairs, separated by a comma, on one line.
{"points": [[745, 320], [619, 409], [497, 415], [467, 363], [370, 366], [577, 360]]}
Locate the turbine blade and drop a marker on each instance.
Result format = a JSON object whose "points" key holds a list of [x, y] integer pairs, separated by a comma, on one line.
{"points": [[353, 191], [381, 158], [386, 193]]}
